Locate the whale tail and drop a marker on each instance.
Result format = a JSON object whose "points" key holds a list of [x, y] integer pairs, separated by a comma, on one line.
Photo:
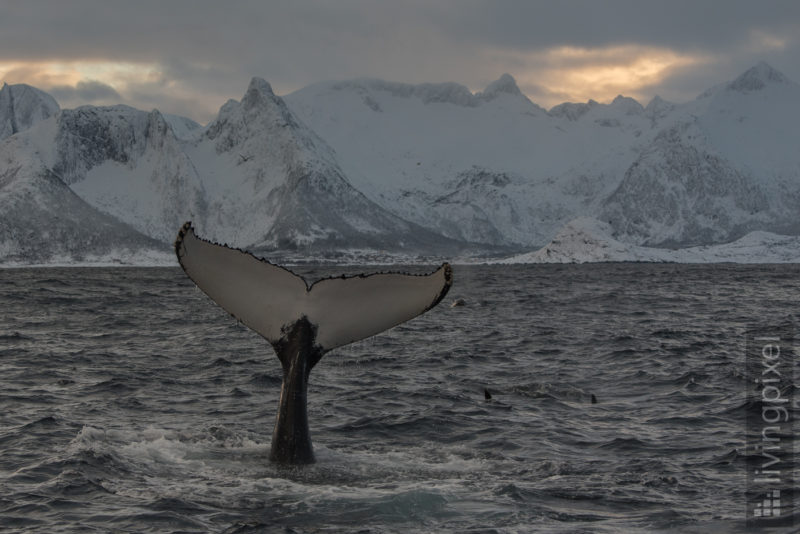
{"points": [[269, 299], [303, 322]]}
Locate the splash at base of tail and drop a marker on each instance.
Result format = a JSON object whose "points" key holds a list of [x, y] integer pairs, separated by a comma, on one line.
{"points": [[303, 322]]}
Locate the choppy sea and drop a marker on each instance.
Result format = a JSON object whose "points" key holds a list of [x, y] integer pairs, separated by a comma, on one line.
{"points": [[129, 402]]}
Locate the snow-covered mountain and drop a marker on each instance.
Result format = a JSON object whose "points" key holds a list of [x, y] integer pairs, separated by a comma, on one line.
{"points": [[273, 183], [42, 220], [719, 167], [501, 169], [587, 240], [495, 169], [21, 106], [368, 165], [255, 177]]}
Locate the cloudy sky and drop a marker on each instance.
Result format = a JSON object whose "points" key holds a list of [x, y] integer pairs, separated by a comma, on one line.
{"points": [[189, 56]]}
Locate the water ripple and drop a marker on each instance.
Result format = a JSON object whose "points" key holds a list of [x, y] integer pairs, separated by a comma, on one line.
{"points": [[130, 403]]}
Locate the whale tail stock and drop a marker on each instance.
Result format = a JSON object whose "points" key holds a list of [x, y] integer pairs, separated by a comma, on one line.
{"points": [[303, 322]]}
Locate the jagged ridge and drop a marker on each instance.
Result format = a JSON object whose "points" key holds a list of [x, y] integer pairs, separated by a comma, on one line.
{"points": [[381, 165]]}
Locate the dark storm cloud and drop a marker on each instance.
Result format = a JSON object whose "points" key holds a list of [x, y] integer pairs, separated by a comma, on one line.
{"points": [[677, 24], [202, 52], [88, 91], [211, 29]]}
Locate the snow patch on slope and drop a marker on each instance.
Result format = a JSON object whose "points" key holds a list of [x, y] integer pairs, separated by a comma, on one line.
{"points": [[587, 240]]}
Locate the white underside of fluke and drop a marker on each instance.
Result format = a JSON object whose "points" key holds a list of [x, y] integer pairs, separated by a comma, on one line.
{"points": [[268, 298]]}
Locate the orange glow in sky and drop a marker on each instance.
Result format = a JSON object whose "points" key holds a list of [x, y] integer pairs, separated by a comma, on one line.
{"points": [[552, 76], [571, 74], [48, 74]]}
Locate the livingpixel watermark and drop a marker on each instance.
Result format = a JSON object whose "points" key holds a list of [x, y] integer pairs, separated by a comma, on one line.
{"points": [[771, 426]]}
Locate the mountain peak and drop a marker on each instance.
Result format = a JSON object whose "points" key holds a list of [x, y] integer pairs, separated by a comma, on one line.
{"points": [[658, 108], [21, 106], [261, 122], [757, 78], [259, 105], [657, 101], [260, 85], [627, 104], [572, 110], [504, 84], [258, 91]]}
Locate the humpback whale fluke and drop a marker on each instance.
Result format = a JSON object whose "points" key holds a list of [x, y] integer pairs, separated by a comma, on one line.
{"points": [[303, 322]]}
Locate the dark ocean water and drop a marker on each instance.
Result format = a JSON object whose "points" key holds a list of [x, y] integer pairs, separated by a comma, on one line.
{"points": [[130, 403]]}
